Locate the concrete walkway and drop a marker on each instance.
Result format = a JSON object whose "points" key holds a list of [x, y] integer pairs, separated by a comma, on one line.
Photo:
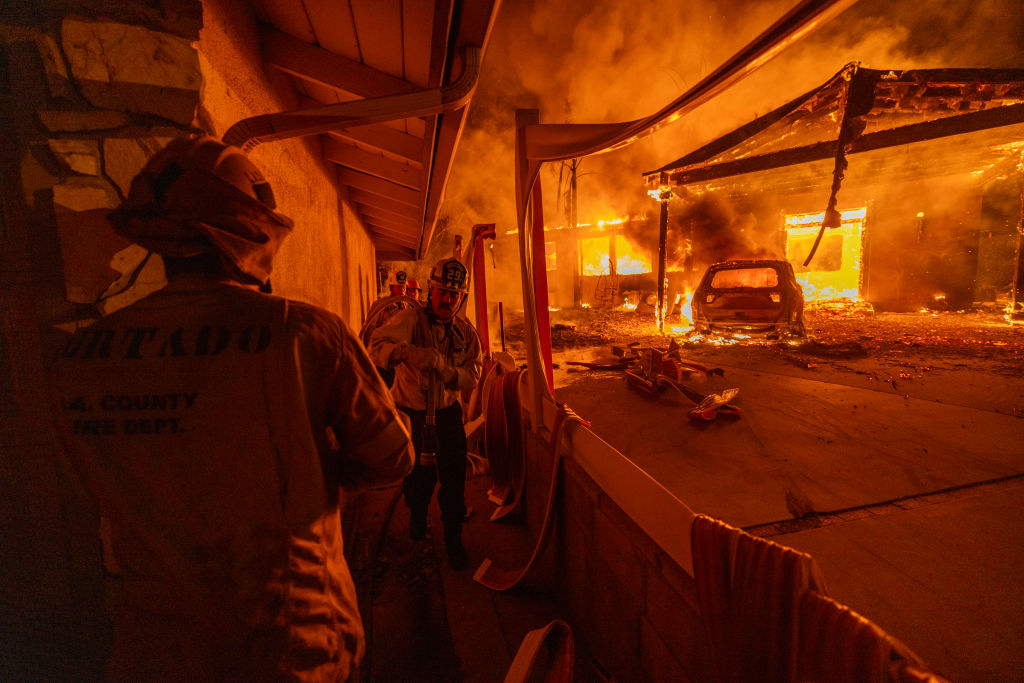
{"points": [[426, 623]]}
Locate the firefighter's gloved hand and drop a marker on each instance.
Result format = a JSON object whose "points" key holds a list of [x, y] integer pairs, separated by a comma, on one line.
{"points": [[448, 374], [424, 360]]}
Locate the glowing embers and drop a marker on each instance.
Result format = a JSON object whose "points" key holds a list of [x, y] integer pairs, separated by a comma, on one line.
{"points": [[834, 272]]}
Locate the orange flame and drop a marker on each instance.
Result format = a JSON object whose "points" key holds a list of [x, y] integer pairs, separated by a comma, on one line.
{"points": [[835, 271]]}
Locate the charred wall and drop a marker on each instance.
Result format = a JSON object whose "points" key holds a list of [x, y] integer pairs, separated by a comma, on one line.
{"points": [[928, 242]]}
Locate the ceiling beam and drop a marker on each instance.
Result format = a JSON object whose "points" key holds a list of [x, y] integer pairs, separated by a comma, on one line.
{"points": [[383, 204], [396, 255], [373, 163], [396, 236], [410, 231], [312, 63], [382, 236], [904, 135], [382, 188], [385, 139], [375, 214]]}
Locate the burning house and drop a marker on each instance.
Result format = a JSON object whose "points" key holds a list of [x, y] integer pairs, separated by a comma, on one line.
{"points": [[900, 188]]}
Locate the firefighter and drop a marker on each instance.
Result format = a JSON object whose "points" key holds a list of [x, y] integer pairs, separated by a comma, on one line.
{"points": [[397, 283], [435, 354], [412, 289], [217, 428], [385, 307], [382, 310]]}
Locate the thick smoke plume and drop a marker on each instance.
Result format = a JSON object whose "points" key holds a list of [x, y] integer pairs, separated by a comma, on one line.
{"points": [[589, 61]]}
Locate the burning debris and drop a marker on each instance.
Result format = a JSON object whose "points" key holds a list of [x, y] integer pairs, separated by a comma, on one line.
{"points": [[652, 370]]}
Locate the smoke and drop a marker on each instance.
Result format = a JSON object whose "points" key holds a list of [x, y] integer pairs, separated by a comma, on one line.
{"points": [[598, 61]]}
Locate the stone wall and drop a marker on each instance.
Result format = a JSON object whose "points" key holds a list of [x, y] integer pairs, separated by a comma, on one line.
{"points": [[89, 89]]}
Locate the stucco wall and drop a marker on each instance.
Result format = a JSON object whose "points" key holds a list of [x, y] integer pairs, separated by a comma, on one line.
{"points": [[323, 259]]}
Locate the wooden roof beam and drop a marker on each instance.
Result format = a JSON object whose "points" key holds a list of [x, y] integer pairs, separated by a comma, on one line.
{"points": [[381, 188], [409, 231], [904, 135], [373, 163], [312, 63], [383, 218], [395, 254], [397, 237], [385, 139], [384, 205]]}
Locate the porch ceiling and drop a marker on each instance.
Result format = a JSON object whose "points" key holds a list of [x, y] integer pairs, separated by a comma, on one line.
{"points": [[336, 51]]}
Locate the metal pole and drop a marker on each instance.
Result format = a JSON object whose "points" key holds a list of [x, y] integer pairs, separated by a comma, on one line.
{"points": [[540, 283], [501, 325], [481, 296], [662, 236], [1016, 311]]}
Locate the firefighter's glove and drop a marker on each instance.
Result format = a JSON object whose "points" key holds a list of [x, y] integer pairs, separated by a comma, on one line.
{"points": [[449, 375], [424, 360]]}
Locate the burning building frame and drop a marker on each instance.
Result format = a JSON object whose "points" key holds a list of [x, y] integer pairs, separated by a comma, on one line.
{"points": [[899, 188]]}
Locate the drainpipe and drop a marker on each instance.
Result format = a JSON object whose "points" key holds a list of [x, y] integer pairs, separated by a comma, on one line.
{"points": [[255, 130]]}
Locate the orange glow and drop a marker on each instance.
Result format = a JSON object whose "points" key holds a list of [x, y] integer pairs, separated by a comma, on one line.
{"points": [[686, 311], [594, 256], [835, 271], [629, 259]]}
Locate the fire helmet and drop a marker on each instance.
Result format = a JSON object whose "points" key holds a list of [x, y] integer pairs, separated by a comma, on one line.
{"points": [[396, 283], [211, 157], [412, 286], [449, 274], [198, 195]]}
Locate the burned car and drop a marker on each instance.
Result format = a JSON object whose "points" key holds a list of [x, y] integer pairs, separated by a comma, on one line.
{"points": [[749, 297]]}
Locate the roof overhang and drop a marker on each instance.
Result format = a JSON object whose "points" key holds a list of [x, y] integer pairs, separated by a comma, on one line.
{"points": [[387, 85], [951, 121]]}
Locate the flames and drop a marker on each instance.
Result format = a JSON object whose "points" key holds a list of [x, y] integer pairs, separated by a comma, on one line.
{"points": [[595, 258], [834, 273], [596, 255], [630, 259]]}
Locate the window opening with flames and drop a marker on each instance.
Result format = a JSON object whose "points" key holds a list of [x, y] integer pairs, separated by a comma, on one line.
{"points": [[835, 270], [596, 255]]}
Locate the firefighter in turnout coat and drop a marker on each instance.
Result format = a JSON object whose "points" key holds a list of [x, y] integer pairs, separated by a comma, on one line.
{"points": [[436, 354], [218, 428]]}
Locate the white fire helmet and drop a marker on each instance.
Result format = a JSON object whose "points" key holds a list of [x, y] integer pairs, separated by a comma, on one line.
{"points": [[211, 156], [449, 274]]}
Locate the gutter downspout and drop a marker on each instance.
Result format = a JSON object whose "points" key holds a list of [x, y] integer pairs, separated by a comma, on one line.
{"points": [[256, 130]]}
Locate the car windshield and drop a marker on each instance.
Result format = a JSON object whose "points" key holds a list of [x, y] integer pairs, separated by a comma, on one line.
{"points": [[745, 277]]}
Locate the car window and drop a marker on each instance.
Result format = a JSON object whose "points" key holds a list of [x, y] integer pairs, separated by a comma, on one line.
{"points": [[745, 277]]}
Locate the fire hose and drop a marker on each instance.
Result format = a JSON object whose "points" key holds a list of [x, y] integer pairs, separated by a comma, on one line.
{"points": [[499, 579], [505, 445], [498, 439]]}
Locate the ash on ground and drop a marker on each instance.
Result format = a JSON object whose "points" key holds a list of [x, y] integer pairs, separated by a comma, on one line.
{"points": [[910, 342]]}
